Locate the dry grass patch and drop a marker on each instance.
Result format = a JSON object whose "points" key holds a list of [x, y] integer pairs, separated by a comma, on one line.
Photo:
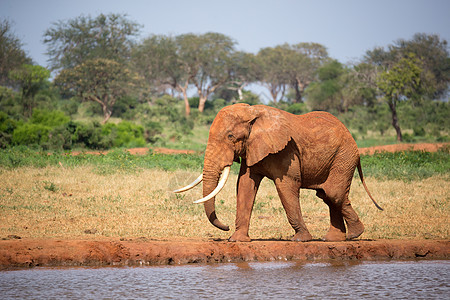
{"points": [[56, 202]]}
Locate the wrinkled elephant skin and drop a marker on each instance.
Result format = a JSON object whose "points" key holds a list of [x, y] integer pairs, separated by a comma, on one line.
{"points": [[311, 151]]}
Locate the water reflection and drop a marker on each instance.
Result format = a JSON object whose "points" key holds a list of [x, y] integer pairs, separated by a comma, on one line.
{"points": [[294, 280]]}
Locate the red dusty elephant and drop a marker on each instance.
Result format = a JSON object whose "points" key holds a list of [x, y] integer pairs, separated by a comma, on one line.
{"points": [[311, 151]]}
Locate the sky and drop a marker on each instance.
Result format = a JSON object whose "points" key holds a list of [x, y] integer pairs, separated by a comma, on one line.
{"points": [[347, 28]]}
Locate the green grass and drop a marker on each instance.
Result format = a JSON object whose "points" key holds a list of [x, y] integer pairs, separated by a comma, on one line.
{"points": [[113, 161], [406, 166]]}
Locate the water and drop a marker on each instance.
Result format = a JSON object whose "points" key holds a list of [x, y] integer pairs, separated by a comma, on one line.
{"points": [[276, 280]]}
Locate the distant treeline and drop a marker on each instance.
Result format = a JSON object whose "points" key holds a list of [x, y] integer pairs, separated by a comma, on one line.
{"points": [[102, 69]]}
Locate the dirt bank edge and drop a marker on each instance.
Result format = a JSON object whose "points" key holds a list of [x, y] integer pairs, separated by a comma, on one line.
{"points": [[31, 253]]}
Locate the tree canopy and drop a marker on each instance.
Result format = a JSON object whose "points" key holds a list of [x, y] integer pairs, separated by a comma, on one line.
{"points": [[401, 81], [30, 79], [99, 61], [70, 43], [12, 55], [203, 61], [99, 80]]}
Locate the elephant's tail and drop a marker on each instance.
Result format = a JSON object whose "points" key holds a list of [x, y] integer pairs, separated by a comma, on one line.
{"points": [[365, 186]]}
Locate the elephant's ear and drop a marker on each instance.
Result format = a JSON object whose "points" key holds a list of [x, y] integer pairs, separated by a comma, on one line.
{"points": [[269, 134]]}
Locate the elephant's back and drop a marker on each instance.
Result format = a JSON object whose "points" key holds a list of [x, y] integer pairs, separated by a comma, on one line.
{"points": [[321, 128]]}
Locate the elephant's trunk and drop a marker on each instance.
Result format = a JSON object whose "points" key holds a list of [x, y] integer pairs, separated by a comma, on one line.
{"points": [[211, 176]]}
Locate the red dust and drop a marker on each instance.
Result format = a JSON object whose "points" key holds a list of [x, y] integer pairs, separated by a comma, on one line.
{"points": [[142, 252]]}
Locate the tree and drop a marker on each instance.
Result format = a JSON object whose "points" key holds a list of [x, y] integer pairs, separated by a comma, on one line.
{"points": [[360, 85], [327, 92], [290, 65], [157, 60], [435, 61], [401, 82], [206, 60], [12, 56], [202, 61], [310, 56], [30, 79], [243, 72], [71, 43], [273, 64], [99, 80], [429, 49]]}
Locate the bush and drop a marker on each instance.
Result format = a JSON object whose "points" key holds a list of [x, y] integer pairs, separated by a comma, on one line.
{"points": [[10, 102], [125, 108], [297, 108], [125, 134], [152, 130], [48, 118], [7, 127], [31, 134], [69, 106], [90, 135]]}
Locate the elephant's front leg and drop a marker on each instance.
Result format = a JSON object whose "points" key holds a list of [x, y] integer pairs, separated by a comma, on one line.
{"points": [[289, 191], [247, 186]]}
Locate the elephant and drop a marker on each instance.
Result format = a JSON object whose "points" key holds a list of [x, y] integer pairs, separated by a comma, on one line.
{"points": [[311, 151]]}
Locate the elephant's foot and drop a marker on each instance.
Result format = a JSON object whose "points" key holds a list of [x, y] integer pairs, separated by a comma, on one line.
{"points": [[334, 235], [354, 230], [239, 237], [302, 237]]}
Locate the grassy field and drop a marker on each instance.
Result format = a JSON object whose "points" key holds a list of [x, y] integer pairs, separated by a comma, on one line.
{"points": [[120, 195]]}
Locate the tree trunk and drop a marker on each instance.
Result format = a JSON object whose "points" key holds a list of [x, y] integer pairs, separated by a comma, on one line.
{"points": [[298, 94], [393, 107], [107, 112], [239, 91], [201, 103], [187, 108]]}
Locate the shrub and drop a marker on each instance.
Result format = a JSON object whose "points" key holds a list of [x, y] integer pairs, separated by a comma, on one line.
{"points": [[152, 130], [60, 138], [90, 135], [125, 107], [48, 118], [30, 134], [297, 108], [69, 106], [7, 126], [125, 134]]}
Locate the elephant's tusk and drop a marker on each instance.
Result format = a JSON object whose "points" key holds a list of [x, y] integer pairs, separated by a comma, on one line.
{"points": [[190, 186], [220, 185]]}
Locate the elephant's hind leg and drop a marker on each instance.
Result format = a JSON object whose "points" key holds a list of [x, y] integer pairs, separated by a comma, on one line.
{"points": [[336, 232], [288, 189], [354, 225], [341, 210]]}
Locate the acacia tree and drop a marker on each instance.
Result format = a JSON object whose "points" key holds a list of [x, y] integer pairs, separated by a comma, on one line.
{"points": [[92, 56], [272, 66], [156, 60], [434, 57], [207, 61], [99, 80], [327, 92], [243, 72], [30, 79], [307, 61], [401, 82], [202, 61], [432, 53], [360, 84], [72, 42], [293, 66], [12, 55]]}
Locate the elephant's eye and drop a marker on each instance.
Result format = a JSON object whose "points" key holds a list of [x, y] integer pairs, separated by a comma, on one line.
{"points": [[230, 136]]}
